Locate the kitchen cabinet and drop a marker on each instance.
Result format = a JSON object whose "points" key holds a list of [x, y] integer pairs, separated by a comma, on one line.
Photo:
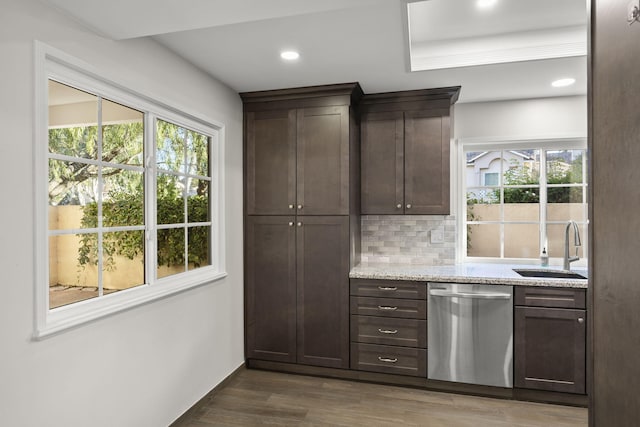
{"points": [[550, 339], [301, 222], [298, 290], [405, 152], [389, 327], [298, 159]]}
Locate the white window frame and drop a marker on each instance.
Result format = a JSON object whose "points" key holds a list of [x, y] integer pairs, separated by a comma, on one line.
{"points": [[51, 63], [497, 144]]}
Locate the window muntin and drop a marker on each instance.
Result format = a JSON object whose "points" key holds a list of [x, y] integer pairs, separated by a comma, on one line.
{"points": [[539, 191]]}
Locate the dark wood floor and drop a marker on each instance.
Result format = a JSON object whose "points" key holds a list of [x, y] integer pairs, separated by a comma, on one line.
{"points": [[254, 397]]}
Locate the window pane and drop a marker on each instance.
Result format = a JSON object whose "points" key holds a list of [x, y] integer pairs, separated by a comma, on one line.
{"points": [[521, 240], [555, 239], [522, 195], [198, 201], [564, 195], [123, 260], [122, 134], [170, 200], [199, 252], [171, 142], [479, 164], [73, 121], [564, 166], [521, 211], [565, 203], [170, 251], [197, 154], [522, 167], [483, 240], [123, 197], [73, 273], [483, 204], [73, 192]]}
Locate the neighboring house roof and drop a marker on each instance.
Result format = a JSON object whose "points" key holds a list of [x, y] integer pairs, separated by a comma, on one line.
{"points": [[522, 154]]}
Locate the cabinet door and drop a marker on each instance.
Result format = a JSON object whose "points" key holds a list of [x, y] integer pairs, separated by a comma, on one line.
{"points": [[323, 291], [271, 162], [426, 159], [271, 288], [382, 152], [323, 161], [550, 349]]}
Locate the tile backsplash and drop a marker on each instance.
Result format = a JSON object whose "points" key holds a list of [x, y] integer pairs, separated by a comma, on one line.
{"points": [[409, 239]]}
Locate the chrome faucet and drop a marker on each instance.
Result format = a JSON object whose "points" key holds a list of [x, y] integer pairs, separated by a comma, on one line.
{"points": [[567, 259]]}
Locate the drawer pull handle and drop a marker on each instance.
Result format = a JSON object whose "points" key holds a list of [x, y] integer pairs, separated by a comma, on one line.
{"points": [[388, 331], [386, 307], [388, 288], [387, 359]]}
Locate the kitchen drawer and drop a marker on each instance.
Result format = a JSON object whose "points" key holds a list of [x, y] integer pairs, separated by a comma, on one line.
{"points": [[389, 307], [389, 331], [534, 296], [388, 288], [388, 359]]}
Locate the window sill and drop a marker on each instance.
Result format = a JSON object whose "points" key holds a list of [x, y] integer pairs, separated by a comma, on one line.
{"points": [[77, 314]]}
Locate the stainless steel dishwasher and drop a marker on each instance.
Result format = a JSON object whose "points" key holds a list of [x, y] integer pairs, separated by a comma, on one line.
{"points": [[470, 333]]}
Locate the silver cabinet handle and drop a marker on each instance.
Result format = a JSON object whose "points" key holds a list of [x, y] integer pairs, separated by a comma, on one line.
{"points": [[387, 307], [387, 359], [299, 224], [291, 206], [409, 206], [388, 331], [388, 288], [399, 206], [299, 206], [290, 223], [580, 320]]}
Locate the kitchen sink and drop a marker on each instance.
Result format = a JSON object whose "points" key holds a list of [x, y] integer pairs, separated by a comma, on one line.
{"points": [[555, 274]]}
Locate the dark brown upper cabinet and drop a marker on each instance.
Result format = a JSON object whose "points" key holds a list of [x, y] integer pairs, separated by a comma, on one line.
{"points": [[405, 151], [298, 146]]}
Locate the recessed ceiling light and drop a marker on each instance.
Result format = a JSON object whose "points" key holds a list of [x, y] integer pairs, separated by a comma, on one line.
{"points": [[563, 82], [485, 4], [289, 55]]}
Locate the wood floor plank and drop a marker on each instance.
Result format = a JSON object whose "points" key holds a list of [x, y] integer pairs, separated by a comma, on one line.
{"points": [[254, 397]]}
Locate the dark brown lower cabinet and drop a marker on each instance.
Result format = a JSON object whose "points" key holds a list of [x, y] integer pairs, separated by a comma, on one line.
{"points": [[323, 290], [271, 288], [298, 289], [550, 350]]}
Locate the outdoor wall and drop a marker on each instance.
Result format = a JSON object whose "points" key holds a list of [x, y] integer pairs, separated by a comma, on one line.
{"points": [[141, 367]]}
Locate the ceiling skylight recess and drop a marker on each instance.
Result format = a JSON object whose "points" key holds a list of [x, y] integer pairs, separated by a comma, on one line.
{"points": [[514, 31]]}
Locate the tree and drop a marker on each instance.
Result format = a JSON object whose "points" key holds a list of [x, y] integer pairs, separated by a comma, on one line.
{"points": [[178, 150]]}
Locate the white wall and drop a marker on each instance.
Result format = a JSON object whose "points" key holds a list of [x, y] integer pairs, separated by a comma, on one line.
{"points": [[522, 119], [145, 366]]}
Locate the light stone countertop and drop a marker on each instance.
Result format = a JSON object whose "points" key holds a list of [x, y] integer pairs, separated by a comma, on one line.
{"points": [[491, 274]]}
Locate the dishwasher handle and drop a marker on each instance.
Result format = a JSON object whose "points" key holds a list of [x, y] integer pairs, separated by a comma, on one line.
{"points": [[477, 295]]}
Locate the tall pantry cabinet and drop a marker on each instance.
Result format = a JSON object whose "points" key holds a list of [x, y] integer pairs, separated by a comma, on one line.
{"points": [[301, 222]]}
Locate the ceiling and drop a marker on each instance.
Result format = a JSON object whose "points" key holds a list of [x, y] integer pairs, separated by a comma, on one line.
{"points": [[239, 41]]}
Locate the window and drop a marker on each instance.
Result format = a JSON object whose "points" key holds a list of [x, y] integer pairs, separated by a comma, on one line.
{"points": [[132, 190], [519, 200], [491, 178]]}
